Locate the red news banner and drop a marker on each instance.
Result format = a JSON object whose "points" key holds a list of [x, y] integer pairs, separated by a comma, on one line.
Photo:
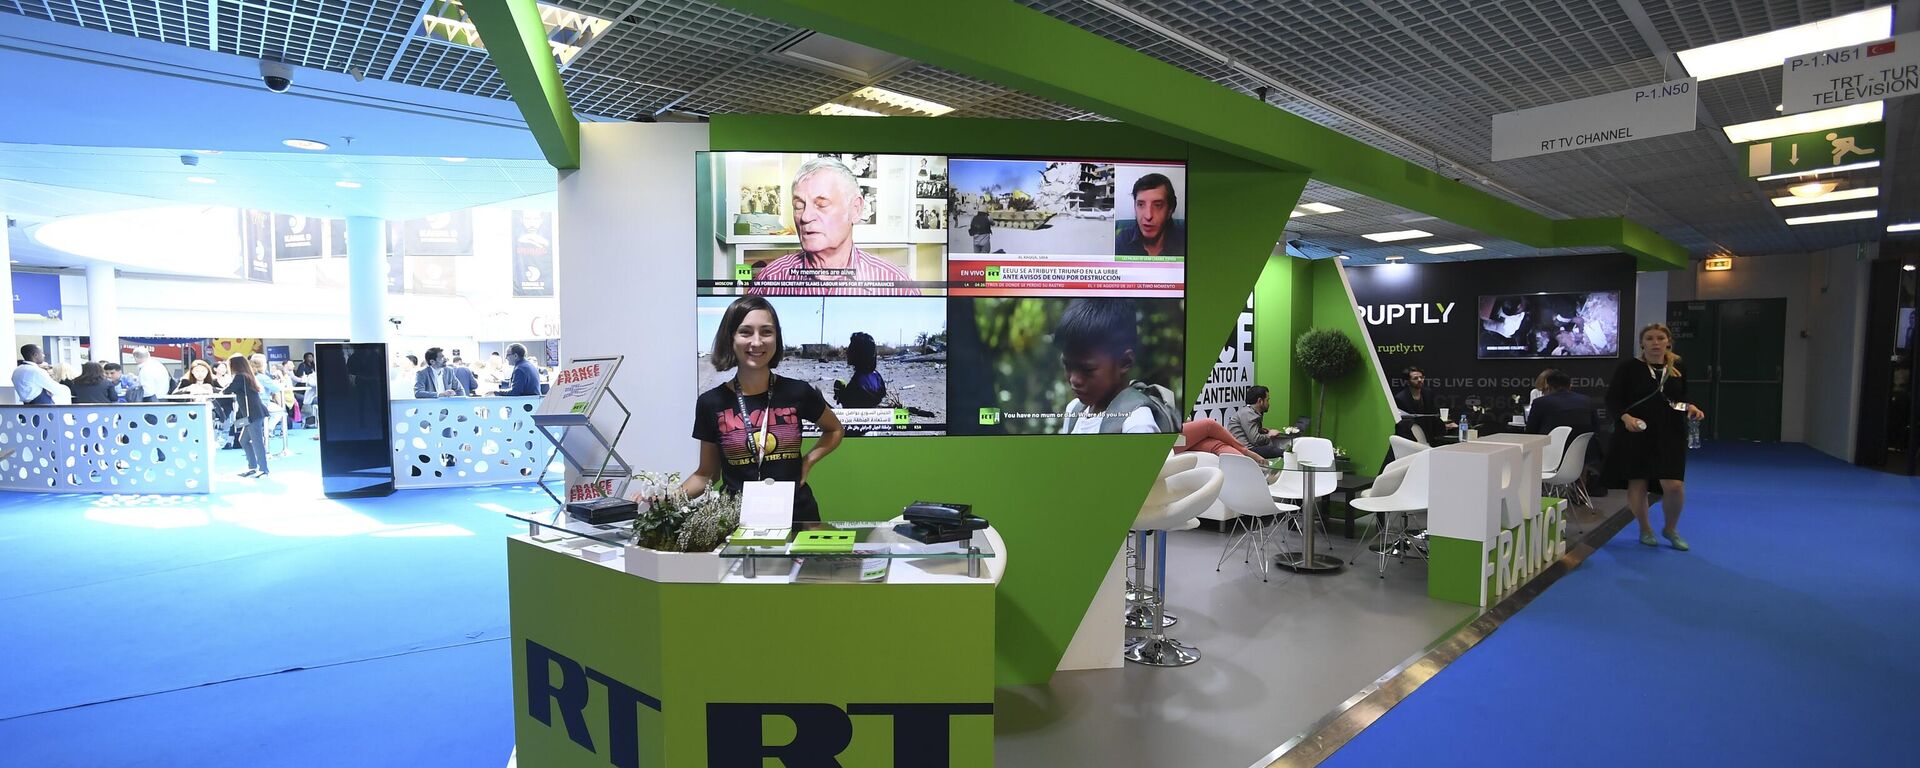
{"points": [[1003, 276]]}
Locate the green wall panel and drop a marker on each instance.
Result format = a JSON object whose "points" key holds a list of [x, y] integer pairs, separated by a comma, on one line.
{"points": [[518, 47], [1359, 409], [1063, 503]]}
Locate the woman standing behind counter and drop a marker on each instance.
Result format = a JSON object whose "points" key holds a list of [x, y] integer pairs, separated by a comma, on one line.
{"points": [[749, 428], [1648, 395]]}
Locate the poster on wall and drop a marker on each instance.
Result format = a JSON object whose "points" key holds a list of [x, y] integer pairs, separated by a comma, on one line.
{"points": [[258, 240], [442, 234], [532, 253], [433, 275], [337, 238], [295, 237], [279, 353], [930, 295], [1225, 392], [223, 349], [396, 260]]}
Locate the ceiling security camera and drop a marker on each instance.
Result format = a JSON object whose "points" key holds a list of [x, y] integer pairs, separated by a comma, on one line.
{"points": [[277, 76], [395, 321]]}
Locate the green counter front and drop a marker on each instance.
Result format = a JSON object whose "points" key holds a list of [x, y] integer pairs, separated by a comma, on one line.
{"points": [[614, 669]]}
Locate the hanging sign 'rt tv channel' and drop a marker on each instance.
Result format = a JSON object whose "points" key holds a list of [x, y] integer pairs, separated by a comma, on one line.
{"points": [[1611, 118]]}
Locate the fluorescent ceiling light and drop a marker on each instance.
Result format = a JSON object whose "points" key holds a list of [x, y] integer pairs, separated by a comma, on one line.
{"points": [[1319, 208], [881, 102], [1396, 258], [306, 144], [1773, 48], [1344, 257], [200, 180], [453, 159], [1462, 247], [1835, 169], [1405, 234], [1908, 267], [347, 184], [1812, 188], [1844, 194], [1911, 226], [1848, 216], [1806, 122], [206, 151]]}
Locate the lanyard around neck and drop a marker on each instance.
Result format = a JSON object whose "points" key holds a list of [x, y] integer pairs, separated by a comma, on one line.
{"points": [[766, 419]]}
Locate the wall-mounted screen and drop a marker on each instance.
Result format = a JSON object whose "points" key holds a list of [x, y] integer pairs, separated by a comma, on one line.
{"points": [[1583, 324], [932, 295]]}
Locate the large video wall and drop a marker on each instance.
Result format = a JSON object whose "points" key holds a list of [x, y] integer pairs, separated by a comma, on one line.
{"points": [[934, 295]]}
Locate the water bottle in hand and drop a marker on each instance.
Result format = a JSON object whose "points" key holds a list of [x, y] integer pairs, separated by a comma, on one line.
{"points": [[1693, 433]]}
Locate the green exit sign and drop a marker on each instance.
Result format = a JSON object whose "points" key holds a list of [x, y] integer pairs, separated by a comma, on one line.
{"points": [[1817, 150]]}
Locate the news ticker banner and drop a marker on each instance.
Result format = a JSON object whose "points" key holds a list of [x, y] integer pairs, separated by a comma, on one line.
{"points": [[613, 669], [1134, 276]]}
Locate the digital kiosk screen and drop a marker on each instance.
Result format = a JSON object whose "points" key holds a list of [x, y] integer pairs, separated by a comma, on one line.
{"points": [[931, 295], [1542, 325]]}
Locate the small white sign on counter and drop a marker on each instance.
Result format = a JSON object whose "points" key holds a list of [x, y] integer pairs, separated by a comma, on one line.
{"points": [[1854, 74], [766, 505], [1612, 118]]}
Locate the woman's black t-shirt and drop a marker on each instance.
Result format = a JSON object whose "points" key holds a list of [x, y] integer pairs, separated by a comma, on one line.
{"points": [[716, 419]]}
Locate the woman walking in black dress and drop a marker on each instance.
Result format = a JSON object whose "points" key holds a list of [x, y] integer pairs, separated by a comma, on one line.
{"points": [[1649, 396]]}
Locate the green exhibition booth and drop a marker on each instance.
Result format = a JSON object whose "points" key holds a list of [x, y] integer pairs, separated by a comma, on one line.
{"points": [[615, 669]]}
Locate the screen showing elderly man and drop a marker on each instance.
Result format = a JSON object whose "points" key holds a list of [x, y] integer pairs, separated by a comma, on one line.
{"points": [[827, 202]]}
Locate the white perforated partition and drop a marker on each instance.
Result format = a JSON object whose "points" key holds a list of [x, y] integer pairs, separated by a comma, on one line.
{"points": [[456, 441], [121, 448]]}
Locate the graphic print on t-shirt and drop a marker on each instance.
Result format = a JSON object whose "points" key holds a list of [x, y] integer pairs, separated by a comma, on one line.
{"points": [[783, 436]]}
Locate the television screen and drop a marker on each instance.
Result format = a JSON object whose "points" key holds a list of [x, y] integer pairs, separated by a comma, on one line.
{"points": [[1535, 325], [1061, 282]]}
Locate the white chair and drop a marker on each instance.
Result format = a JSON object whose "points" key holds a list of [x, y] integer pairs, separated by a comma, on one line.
{"points": [[1403, 447], [1564, 480], [1176, 499], [1420, 434], [1245, 495], [1408, 497], [1140, 595], [1556, 445]]}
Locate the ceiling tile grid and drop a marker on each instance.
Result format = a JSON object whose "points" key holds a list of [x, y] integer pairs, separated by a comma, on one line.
{"points": [[449, 67], [337, 37], [764, 85], [181, 22]]}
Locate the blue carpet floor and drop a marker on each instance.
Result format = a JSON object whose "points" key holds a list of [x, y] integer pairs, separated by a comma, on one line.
{"points": [[1790, 635], [262, 625]]}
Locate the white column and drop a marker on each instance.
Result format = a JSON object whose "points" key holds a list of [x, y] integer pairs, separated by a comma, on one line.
{"points": [[103, 314], [1649, 304], [7, 338], [366, 279]]}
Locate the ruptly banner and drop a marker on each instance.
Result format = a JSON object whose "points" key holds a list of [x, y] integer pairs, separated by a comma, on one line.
{"points": [[295, 237]]}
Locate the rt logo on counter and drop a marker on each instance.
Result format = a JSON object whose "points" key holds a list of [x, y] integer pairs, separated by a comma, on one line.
{"points": [[1425, 313], [571, 696], [921, 735]]}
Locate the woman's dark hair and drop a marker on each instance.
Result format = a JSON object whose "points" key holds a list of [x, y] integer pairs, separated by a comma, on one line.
{"points": [[241, 369], [90, 373], [862, 353], [736, 314], [187, 377], [1106, 326]]}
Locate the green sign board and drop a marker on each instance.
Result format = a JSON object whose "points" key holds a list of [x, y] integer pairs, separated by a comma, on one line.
{"points": [[1818, 150]]}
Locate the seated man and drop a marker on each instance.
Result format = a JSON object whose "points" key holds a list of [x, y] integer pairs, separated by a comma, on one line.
{"points": [[1563, 407], [1247, 427]]}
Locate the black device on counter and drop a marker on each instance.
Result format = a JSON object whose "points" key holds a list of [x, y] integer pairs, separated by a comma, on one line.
{"points": [[937, 523], [603, 510]]}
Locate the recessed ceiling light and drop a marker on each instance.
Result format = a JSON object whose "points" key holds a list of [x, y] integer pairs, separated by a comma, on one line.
{"points": [[1806, 122], [1770, 49], [1812, 188], [1822, 219], [347, 184], [880, 102], [1907, 267], [1829, 197], [306, 144], [454, 159], [1779, 107], [1320, 208], [206, 151], [1836, 169], [1396, 258], [200, 180], [1405, 234], [1462, 247], [1344, 257], [1911, 226]]}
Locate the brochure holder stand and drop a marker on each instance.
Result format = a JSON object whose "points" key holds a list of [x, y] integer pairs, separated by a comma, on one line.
{"points": [[585, 432]]}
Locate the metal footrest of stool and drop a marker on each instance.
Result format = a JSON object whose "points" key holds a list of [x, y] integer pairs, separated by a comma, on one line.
{"points": [[1160, 651], [1141, 617]]}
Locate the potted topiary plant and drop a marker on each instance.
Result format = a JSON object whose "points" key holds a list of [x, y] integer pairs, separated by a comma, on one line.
{"points": [[676, 539], [1325, 354]]}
